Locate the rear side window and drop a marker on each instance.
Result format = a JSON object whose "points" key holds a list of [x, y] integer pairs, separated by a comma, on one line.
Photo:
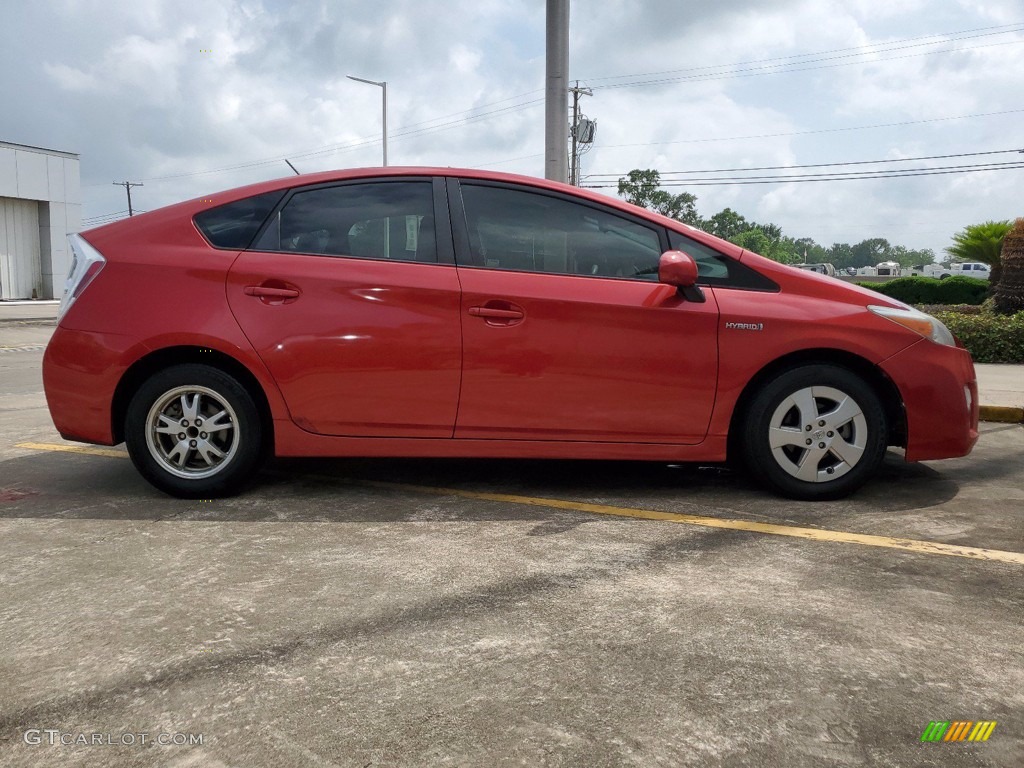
{"points": [[375, 220], [717, 270], [234, 225]]}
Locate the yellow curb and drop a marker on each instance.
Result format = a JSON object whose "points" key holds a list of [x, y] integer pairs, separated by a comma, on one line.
{"points": [[1001, 413]]}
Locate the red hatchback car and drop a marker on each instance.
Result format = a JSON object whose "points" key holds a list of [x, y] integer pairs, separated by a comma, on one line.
{"points": [[441, 312]]}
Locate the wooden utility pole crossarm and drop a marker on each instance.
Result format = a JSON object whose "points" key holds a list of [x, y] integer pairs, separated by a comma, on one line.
{"points": [[128, 188]]}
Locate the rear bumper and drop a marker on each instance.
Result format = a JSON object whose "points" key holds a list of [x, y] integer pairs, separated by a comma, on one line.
{"points": [[940, 394], [81, 370]]}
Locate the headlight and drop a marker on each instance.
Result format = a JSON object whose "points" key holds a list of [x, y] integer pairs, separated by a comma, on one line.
{"points": [[918, 322]]}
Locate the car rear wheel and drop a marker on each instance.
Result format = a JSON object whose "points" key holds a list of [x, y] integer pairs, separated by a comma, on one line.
{"points": [[193, 431], [816, 432]]}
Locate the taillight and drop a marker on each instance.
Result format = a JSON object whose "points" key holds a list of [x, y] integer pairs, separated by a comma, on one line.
{"points": [[86, 263]]}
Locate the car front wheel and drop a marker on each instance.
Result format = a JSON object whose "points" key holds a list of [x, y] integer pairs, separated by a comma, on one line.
{"points": [[193, 431], [816, 432]]}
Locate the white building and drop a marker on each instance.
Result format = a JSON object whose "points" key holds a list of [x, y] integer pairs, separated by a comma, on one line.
{"points": [[40, 203]]}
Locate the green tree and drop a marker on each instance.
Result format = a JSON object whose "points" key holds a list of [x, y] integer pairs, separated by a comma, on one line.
{"points": [[786, 251], [643, 188], [981, 242], [753, 240], [768, 241], [922, 257], [726, 224], [809, 252], [867, 253], [840, 255]]}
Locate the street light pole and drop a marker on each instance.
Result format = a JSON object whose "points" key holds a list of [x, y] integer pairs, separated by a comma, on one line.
{"points": [[384, 86]]}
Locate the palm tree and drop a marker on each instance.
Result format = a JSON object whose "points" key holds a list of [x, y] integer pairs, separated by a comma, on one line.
{"points": [[981, 242], [1008, 297]]}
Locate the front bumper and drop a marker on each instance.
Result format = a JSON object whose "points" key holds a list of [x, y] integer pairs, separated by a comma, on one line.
{"points": [[940, 395]]}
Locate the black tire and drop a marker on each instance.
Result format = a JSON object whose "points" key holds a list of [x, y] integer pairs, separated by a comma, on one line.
{"points": [[189, 468], [842, 454]]}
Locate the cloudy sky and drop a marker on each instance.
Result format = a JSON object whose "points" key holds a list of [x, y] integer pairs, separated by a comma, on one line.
{"points": [[192, 96]]}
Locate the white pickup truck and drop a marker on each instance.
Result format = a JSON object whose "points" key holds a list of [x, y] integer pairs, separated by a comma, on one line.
{"points": [[968, 268]]}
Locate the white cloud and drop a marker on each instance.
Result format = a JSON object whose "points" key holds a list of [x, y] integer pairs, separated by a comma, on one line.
{"points": [[130, 86]]}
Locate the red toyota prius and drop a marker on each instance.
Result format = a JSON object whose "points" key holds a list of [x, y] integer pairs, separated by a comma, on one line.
{"points": [[442, 312]]}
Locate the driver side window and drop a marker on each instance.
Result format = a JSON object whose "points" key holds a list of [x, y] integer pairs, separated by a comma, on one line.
{"points": [[526, 231]]}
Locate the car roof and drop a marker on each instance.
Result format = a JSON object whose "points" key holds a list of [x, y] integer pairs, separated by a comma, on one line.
{"points": [[189, 208], [349, 174]]}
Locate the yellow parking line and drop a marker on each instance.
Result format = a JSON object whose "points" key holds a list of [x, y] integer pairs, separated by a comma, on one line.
{"points": [[89, 450], [813, 534]]}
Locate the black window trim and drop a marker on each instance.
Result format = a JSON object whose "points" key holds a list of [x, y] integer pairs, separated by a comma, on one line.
{"points": [[439, 200]]}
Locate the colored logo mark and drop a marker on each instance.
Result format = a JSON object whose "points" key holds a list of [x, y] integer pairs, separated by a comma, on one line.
{"points": [[958, 730]]}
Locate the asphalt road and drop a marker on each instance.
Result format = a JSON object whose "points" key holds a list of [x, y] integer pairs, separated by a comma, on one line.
{"points": [[378, 613]]}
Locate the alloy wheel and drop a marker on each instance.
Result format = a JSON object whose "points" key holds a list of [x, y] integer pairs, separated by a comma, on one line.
{"points": [[192, 432]]}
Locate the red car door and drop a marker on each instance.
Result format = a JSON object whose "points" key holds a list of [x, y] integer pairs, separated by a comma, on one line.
{"points": [[352, 300], [567, 334]]}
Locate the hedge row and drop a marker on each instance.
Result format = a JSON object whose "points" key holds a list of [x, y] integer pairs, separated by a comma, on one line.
{"points": [[988, 337], [960, 309], [929, 290]]}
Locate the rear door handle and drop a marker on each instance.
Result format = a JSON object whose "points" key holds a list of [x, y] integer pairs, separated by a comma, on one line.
{"points": [[266, 292], [500, 314]]}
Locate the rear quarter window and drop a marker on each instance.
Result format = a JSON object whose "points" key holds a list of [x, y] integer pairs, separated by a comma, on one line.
{"points": [[234, 225]]}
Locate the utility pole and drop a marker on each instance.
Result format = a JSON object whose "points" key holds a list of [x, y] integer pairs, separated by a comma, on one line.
{"points": [[574, 132], [128, 188], [556, 107]]}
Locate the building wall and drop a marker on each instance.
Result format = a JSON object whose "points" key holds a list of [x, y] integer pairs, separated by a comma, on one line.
{"points": [[20, 253], [47, 181]]}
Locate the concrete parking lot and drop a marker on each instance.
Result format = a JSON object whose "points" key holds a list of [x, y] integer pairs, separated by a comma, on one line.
{"points": [[464, 613]]}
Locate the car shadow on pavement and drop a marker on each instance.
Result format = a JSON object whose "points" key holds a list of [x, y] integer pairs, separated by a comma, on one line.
{"points": [[120, 691], [76, 486]]}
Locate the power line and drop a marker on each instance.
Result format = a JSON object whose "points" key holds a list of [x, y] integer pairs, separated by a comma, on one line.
{"points": [[944, 37], [104, 217], [760, 72], [820, 165], [433, 125], [862, 176], [845, 175], [817, 130]]}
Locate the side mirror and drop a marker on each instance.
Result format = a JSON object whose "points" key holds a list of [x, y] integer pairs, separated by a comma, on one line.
{"points": [[679, 269]]}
